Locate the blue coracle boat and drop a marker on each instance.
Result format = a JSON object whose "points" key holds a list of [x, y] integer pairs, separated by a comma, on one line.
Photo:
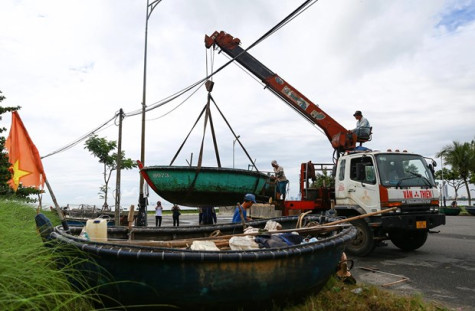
{"points": [[135, 268]]}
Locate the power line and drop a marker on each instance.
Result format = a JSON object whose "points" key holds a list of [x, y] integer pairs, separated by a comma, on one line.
{"points": [[304, 6], [77, 141]]}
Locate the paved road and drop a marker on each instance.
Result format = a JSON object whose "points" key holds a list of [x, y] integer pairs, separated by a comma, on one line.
{"points": [[443, 269], [185, 219]]}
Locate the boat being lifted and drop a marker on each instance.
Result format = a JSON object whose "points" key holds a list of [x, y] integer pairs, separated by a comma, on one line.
{"points": [[205, 186], [199, 186]]}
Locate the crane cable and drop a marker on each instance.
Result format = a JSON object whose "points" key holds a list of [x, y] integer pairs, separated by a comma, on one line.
{"points": [[303, 7]]}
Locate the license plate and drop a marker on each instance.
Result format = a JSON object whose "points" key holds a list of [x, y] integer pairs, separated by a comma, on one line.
{"points": [[421, 224]]}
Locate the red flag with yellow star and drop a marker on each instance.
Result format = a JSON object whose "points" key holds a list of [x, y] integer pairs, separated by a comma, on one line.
{"points": [[26, 163]]}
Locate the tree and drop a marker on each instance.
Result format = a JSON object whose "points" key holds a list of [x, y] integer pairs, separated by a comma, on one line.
{"points": [[461, 157], [452, 178], [472, 165], [5, 173], [323, 180], [103, 149]]}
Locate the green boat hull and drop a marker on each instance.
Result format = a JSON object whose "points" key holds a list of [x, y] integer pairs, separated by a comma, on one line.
{"points": [[206, 186], [450, 211], [470, 210]]}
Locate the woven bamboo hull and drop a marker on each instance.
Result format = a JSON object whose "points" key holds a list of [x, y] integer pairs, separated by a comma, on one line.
{"points": [[204, 280]]}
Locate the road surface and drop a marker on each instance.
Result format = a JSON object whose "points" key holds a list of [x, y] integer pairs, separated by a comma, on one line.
{"points": [[442, 270]]}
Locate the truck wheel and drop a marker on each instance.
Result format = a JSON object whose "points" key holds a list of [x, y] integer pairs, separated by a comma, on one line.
{"points": [[363, 243], [408, 240]]}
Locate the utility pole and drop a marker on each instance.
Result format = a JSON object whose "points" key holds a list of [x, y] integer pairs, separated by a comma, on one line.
{"points": [[117, 182], [142, 213]]}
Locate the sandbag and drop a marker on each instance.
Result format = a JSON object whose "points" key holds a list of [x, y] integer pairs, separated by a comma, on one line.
{"points": [[242, 243], [204, 246], [272, 225]]}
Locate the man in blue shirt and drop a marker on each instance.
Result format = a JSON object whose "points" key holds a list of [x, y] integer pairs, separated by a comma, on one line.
{"points": [[249, 199]]}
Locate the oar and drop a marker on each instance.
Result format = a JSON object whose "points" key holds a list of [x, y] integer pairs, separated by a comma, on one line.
{"points": [[312, 229], [222, 238], [360, 216]]}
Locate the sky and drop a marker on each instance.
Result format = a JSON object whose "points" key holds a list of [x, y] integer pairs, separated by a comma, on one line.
{"points": [[71, 65]]}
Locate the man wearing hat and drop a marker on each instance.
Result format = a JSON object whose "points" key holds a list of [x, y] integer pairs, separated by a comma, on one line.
{"points": [[281, 180], [362, 125], [249, 199]]}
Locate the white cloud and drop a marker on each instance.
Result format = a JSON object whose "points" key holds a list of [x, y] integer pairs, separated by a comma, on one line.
{"points": [[71, 65]]}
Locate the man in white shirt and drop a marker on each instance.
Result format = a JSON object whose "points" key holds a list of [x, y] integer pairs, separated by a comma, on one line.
{"points": [[362, 125], [281, 180]]}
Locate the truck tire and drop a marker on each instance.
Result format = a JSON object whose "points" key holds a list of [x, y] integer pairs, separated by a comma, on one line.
{"points": [[363, 243], [408, 240]]}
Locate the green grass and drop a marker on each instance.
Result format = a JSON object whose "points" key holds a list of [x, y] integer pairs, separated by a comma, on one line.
{"points": [[29, 277], [31, 280], [338, 296]]}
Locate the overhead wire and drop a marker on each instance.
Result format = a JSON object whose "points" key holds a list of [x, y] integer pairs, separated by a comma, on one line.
{"points": [[285, 21], [167, 113], [77, 141], [177, 94]]}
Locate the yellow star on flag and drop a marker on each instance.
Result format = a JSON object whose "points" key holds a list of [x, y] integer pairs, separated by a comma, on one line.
{"points": [[18, 173], [23, 156]]}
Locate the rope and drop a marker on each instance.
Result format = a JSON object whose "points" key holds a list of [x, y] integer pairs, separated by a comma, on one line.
{"points": [[186, 99], [232, 131], [300, 219], [216, 233]]}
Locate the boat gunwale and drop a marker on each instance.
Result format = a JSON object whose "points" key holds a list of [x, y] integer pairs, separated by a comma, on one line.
{"points": [[206, 168], [175, 254]]}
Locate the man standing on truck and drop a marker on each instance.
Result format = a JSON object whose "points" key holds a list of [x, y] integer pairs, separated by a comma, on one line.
{"points": [[281, 180], [362, 125]]}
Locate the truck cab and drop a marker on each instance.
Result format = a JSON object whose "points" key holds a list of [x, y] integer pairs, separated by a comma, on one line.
{"points": [[371, 181]]}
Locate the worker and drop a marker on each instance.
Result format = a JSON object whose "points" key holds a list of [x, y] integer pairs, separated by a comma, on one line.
{"points": [[444, 192], [158, 214], [209, 215], [363, 128], [249, 199], [281, 180], [176, 212]]}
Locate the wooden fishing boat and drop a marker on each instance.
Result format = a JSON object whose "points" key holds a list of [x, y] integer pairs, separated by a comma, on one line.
{"points": [[450, 211], [81, 221], [154, 266], [470, 210], [204, 186], [78, 215]]}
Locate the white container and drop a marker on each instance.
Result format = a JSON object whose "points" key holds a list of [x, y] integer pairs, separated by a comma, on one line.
{"points": [[96, 229]]}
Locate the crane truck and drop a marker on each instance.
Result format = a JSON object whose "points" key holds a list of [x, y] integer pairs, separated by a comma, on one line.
{"points": [[366, 181]]}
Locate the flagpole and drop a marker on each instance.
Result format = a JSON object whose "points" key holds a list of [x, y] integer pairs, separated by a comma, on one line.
{"points": [[58, 209]]}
